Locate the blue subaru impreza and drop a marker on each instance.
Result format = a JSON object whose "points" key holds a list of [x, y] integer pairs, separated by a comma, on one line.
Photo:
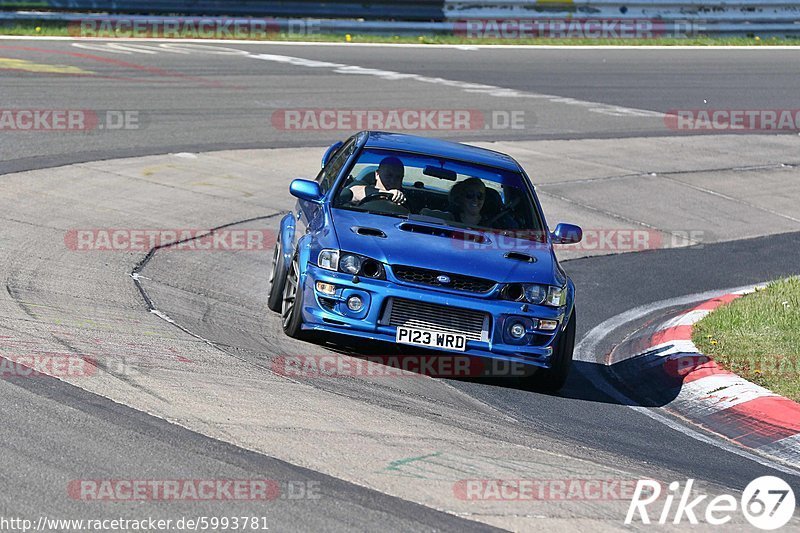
{"points": [[427, 243]]}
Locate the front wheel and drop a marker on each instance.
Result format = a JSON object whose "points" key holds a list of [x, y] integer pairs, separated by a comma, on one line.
{"points": [[292, 304], [552, 379], [277, 279]]}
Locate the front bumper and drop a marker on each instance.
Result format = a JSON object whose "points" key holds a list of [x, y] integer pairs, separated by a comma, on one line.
{"points": [[330, 314]]}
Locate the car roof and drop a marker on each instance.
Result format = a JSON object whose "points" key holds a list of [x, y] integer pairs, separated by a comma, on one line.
{"points": [[439, 148]]}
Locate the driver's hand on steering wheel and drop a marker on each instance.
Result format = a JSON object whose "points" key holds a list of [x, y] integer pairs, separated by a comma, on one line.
{"points": [[398, 197]]}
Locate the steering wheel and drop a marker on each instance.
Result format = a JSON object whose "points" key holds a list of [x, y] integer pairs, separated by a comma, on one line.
{"points": [[505, 211], [382, 201], [376, 196]]}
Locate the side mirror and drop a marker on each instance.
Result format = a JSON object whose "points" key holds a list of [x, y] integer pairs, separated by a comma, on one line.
{"points": [[567, 234], [329, 152], [306, 190]]}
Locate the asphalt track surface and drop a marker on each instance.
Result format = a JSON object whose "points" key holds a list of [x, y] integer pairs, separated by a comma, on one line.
{"points": [[206, 97], [200, 101]]}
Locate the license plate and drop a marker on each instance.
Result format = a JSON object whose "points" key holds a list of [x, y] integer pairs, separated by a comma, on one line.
{"points": [[431, 339]]}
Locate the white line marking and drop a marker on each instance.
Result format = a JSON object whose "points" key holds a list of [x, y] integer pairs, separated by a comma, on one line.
{"points": [[666, 349], [204, 48], [690, 318], [491, 90], [686, 319], [175, 48], [710, 394], [137, 48], [585, 351], [99, 47]]}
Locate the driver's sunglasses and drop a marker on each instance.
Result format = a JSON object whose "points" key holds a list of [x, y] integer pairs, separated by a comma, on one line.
{"points": [[474, 195]]}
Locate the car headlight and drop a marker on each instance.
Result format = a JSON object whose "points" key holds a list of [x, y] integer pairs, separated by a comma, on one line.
{"points": [[556, 296], [350, 264], [536, 294], [355, 265], [533, 293], [328, 259]]}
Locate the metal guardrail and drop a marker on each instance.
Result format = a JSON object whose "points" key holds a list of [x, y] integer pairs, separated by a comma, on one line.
{"points": [[405, 10], [785, 11], [285, 25], [445, 17], [710, 17]]}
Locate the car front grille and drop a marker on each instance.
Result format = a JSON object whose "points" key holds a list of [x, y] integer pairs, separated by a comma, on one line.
{"points": [[429, 277], [474, 325]]}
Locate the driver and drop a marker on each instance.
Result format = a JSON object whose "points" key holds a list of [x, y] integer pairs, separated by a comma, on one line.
{"points": [[389, 180]]}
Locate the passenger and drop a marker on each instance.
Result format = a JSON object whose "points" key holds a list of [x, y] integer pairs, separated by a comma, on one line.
{"points": [[469, 205], [466, 200]]}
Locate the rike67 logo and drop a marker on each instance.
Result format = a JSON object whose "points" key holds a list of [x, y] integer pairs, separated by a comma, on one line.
{"points": [[767, 503]]}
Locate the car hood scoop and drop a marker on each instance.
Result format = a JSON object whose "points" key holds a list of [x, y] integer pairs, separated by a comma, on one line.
{"points": [[519, 256], [368, 232]]}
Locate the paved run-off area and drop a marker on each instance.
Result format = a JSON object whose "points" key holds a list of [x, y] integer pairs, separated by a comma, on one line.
{"points": [[415, 438]]}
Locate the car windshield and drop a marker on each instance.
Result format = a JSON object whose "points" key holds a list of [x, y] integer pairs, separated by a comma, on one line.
{"points": [[439, 191]]}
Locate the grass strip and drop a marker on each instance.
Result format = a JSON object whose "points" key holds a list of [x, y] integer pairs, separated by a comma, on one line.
{"points": [[757, 336]]}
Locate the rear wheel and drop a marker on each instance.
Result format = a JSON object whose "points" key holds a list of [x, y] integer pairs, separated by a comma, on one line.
{"points": [[277, 279], [292, 303], [552, 379]]}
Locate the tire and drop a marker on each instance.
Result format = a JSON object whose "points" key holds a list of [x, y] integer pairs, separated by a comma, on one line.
{"points": [[292, 301], [277, 279], [552, 379]]}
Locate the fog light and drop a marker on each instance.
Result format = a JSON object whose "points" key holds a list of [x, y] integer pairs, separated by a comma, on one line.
{"points": [[355, 303], [517, 330], [326, 288], [548, 325]]}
